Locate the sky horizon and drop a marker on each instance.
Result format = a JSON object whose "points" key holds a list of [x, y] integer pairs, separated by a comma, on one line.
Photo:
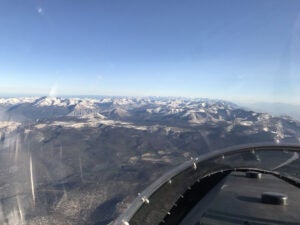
{"points": [[233, 50]]}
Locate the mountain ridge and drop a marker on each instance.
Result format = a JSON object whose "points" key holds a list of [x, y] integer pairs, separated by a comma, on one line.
{"points": [[86, 154]]}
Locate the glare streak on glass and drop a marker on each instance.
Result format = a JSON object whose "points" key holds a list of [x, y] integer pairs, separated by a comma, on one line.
{"points": [[20, 209], [32, 180], [292, 159], [17, 150]]}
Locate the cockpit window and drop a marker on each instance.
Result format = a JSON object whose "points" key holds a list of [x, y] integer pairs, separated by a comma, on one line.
{"points": [[100, 99]]}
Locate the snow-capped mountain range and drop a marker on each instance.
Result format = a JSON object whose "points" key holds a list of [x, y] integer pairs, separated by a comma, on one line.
{"points": [[145, 111], [91, 156], [192, 110]]}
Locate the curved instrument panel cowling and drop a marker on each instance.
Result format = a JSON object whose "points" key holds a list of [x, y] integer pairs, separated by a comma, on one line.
{"points": [[156, 204]]}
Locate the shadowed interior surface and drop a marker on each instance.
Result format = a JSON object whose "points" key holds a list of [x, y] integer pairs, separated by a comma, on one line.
{"points": [[238, 201], [280, 162]]}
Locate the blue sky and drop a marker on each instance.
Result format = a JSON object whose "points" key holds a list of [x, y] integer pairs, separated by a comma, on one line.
{"points": [[236, 50]]}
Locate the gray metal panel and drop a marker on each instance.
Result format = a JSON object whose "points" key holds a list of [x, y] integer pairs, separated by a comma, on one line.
{"points": [[239, 202]]}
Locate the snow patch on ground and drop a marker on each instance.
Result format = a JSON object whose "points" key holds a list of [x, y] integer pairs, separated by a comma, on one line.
{"points": [[9, 126], [246, 123], [90, 122], [266, 129], [14, 101]]}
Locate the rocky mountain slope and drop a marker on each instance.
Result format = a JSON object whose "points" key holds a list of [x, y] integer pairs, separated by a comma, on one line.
{"points": [[83, 160]]}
